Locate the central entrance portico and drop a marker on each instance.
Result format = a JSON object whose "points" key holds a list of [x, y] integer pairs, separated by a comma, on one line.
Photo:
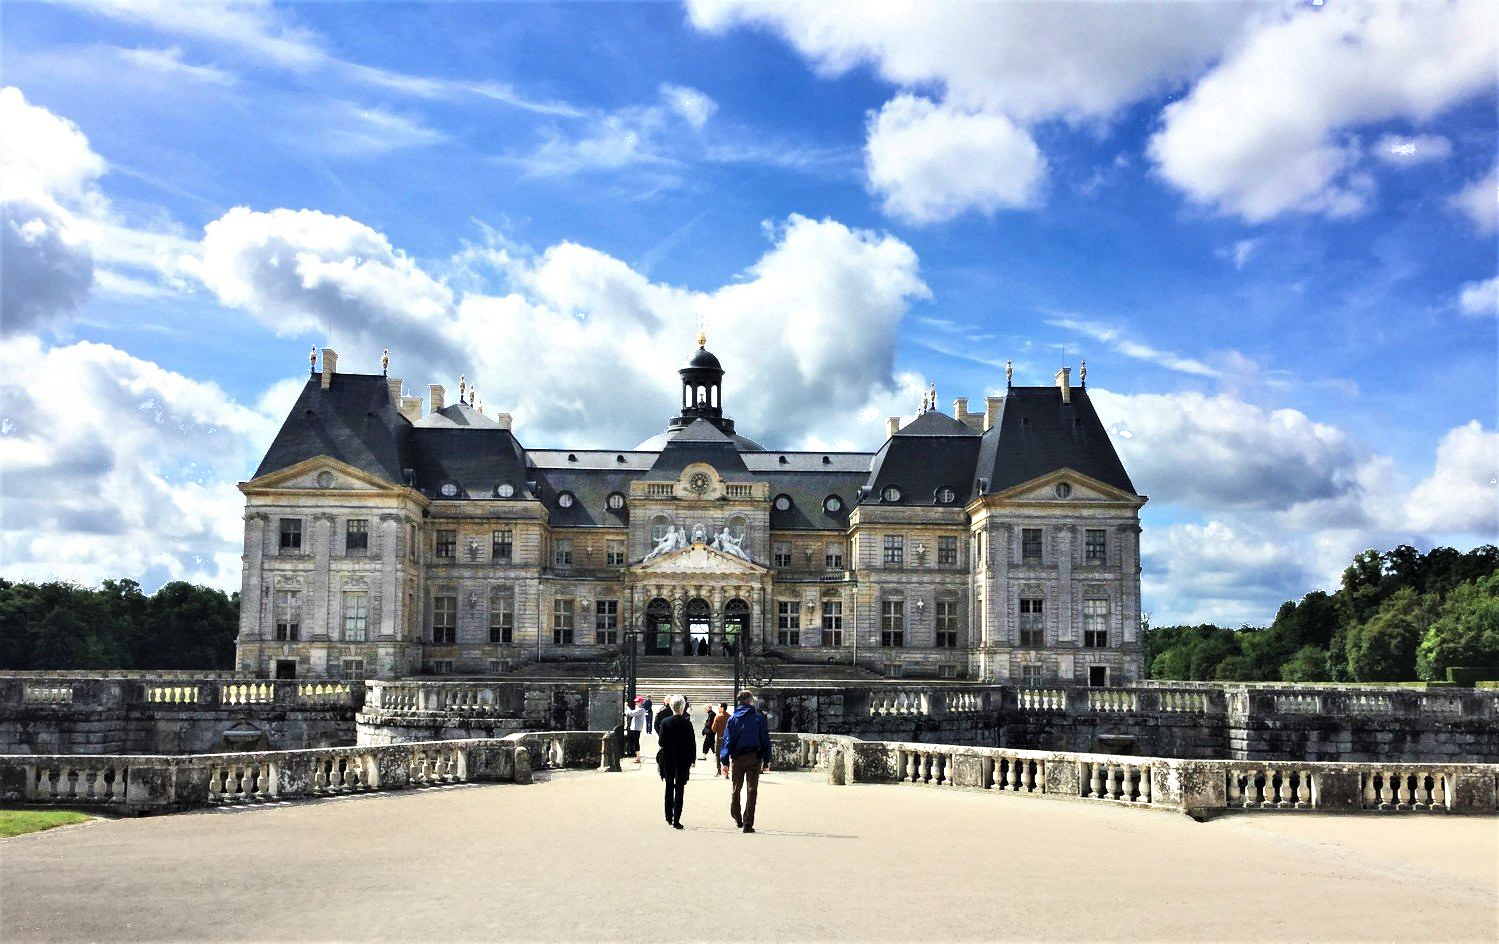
{"points": [[698, 600]]}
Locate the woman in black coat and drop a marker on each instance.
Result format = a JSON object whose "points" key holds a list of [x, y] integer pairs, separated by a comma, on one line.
{"points": [[675, 758], [708, 738]]}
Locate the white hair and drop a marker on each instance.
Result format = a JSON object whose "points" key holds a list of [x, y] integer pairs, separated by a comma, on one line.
{"points": [[677, 703]]}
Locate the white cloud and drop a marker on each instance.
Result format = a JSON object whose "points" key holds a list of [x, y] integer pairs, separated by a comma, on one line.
{"points": [[1461, 495], [695, 107], [169, 63], [1116, 339], [929, 162], [1241, 252], [111, 465], [1479, 202], [1270, 129], [1405, 150], [350, 130], [252, 26], [41, 153], [1480, 299]]}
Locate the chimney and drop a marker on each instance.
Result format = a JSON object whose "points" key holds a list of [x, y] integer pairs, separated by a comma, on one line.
{"points": [[1064, 383], [503, 419], [892, 425], [411, 408], [394, 383], [330, 366], [438, 395], [991, 411], [974, 421]]}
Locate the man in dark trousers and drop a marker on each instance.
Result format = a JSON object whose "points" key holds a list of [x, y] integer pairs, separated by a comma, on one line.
{"points": [[677, 755], [744, 754]]}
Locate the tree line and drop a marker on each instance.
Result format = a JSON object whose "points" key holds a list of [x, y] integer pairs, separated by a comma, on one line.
{"points": [[116, 626], [1396, 616]]}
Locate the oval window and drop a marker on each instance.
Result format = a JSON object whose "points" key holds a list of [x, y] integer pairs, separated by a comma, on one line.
{"points": [[890, 494], [449, 489], [832, 504], [783, 503], [325, 479], [616, 501], [946, 495], [565, 500], [1063, 490], [504, 490]]}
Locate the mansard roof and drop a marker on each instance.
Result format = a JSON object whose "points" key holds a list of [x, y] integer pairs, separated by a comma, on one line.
{"points": [[456, 415], [930, 453], [353, 421], [1037, 433]]}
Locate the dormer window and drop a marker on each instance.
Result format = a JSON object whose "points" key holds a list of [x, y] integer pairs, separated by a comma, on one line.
{"points": [[565, 500], [615, 501], [504, 490], [832, 504], [890, 494], [946, 496], [449, 489], [783, 503]]}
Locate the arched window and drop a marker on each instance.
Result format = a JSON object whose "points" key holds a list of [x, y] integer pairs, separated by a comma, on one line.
{"points": [[659, 524]]}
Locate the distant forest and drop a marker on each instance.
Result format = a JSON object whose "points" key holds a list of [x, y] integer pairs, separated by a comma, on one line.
{"points": [[116, 626], [1397, 616]]}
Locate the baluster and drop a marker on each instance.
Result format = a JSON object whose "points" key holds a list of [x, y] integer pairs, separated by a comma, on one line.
{"points": [[1095, 782], [1014, 772], [1387, 791], [1040, 776], [1145, 785], [1402, 791], [1369, 798]]}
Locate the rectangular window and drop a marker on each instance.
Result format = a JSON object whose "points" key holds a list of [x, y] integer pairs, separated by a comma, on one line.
{"points": [[606, 622], [356, 610], [895, 549], [947, 624], [614, 554], [1032, 623], [1098, 676], [1096, 624], [354, 668], [411, 544], [782, 554], [447, 544], [1030, 675], [288, 615], [1096, 547], [893, 623], [788, 623], [562, 552], [357, 536], [833, 556], [291, 534], [444, 619], [501, 545], [442, 666], [501, 615], [1030, 545], [562, 621], [947, 551], [832, 622]]}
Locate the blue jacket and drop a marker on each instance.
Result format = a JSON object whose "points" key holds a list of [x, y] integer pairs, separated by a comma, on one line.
{"points": [[747, 731]]}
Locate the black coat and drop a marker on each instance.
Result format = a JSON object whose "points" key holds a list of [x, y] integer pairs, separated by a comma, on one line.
{"points": [[678, 743]]}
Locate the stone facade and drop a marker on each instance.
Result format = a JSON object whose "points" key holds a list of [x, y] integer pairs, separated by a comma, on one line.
{"points": [[999, 546]]}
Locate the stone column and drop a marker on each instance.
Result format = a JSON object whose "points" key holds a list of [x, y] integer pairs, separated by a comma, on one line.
{"points": [[390, 576], [319, 582], [1065, 597], [1129, 580], [250, 625]]}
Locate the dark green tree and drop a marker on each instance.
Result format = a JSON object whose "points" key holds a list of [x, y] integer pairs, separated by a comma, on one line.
{"points": [[1465, 631], [1383, 648]]}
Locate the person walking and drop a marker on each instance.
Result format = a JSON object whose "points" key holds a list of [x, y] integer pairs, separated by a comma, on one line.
{"points": [[635, 718], [663, 714], [648, 716], [745, 753], [676, 757], [720, 721], [710, 742]]}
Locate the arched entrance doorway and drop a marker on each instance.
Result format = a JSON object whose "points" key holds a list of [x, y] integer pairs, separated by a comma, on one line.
{"points": [[699, 624], [736, 621], [658, 627]]}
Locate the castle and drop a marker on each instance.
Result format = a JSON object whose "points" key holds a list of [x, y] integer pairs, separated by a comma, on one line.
{"points": [[384, 541]]}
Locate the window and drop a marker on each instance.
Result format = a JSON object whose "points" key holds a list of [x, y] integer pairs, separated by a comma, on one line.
{"points": [[1030, 545], [562, 621], [783, 503], [832, 622], [444, 619], [504, 490], [833, 556], [449, 490], [891, 493], [788, 623], [1096, 546], [562, 552], [832, 504], [501, 545], [1098, 676], [325, 479], [354, 668], [411, 544], [614, 554], [615, 501], [291, 534], [442, 666], [1096, 624], [1030, 675], [782, 554], [659, 526], [288, 615], [565, 500], [501, 615], [893, 623], [947, 551], [946, 496], [606, 622], [1063, 490], [895, 549], [356, 611], [447, 544], [1032, 623], [947, 624], [357, 536]]}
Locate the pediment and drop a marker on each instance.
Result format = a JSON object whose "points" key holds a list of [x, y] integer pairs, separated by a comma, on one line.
{"points": [[320, 473], [1079, 488], [699, 559]]}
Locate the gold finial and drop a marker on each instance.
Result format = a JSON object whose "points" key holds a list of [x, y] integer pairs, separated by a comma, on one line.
{"points": [[385, 361], [1009, 372], [702, 338], [312, 359]]}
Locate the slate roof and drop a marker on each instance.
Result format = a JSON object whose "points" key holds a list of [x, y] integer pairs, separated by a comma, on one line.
{"points": [[356, 421]]}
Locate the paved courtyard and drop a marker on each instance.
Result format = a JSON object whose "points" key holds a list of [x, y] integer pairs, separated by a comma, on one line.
{"points": [[587, 857]]}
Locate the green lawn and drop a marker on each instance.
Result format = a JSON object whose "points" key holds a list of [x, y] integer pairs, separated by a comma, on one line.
{"points": [[16, 822]]}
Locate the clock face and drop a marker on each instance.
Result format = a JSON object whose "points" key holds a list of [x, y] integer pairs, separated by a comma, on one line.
{"points": [[698, 482]]}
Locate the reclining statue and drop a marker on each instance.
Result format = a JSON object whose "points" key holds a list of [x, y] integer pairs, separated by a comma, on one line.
{"points": [[729, 544]]}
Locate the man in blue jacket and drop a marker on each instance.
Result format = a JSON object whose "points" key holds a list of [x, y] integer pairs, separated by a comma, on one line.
{"points": [[744, 754]]}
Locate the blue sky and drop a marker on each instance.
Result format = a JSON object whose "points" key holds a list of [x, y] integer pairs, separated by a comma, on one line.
{"points": [[1270, 230]]}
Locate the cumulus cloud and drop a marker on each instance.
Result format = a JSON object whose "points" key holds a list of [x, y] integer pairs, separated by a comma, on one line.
{"points": [[1271, 128], [807, 332], [1480, 299], [929, 162], [1479, 202], [1462, 492], [111, 465]]}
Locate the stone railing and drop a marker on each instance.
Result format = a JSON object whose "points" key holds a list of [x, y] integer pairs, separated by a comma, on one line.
{"points": [[1199, 788], [159, 783], [98, 692], [921, 702]]}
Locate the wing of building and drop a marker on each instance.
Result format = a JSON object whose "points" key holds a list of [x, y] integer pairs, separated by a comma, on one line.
{"points": [[379, 540]]}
